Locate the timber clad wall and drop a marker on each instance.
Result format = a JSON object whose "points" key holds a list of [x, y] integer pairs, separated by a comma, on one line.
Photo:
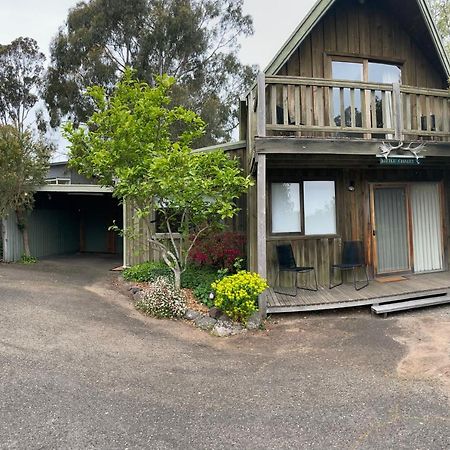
{"points": [[299, 100], [352, 215], [352, 29]]}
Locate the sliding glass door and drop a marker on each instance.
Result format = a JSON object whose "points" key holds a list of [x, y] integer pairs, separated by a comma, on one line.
{"points": [[407, 228], [391, 229]]}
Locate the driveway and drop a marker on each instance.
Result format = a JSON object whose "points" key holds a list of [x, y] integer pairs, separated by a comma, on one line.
{"points": [[79, 368]]}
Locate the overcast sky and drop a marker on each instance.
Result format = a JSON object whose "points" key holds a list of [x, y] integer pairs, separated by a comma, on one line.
{"points": [[40, 19]]}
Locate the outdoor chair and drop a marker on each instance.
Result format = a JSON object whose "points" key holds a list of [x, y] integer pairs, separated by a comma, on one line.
{"points": [[286, 263], [352, 259]]}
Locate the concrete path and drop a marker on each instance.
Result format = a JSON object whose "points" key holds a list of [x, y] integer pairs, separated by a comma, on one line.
{"points": [[79, 368]]}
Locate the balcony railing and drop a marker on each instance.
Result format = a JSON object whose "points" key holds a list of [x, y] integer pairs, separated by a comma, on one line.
{"points": [[312, 107]]}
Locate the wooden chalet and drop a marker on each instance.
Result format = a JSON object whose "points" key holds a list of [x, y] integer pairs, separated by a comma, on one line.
{"points": [[348, 137]]}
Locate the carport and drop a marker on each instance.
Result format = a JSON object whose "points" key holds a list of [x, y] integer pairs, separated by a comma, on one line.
{"points": [[67, 219]]}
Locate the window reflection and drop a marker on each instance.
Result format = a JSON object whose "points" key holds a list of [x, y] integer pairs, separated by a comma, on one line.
{"points": [[320, 209], [286, 208]]}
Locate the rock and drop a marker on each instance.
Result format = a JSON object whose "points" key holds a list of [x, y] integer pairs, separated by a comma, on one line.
{"points": [[205, 322], [190, 314], [222, 329], [215, 313], [254, 322], [135, 289], [224, 318], [227, 328], [138, 296]]}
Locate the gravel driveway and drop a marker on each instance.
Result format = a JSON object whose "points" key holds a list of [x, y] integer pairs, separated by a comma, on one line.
{"points": [[79, 368]]}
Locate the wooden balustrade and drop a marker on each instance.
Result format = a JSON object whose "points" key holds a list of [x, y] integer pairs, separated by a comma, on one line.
{"points": [[310, 107]]}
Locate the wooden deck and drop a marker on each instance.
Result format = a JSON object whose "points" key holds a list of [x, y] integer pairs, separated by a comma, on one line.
{"points": [[345, 296]]}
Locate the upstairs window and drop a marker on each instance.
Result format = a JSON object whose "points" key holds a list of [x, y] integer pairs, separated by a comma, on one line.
{"points": [[363, 70]]}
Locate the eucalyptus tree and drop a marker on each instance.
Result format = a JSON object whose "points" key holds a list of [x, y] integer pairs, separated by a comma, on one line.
{"points": [[195, 41], [440, 10], [21, 76]]}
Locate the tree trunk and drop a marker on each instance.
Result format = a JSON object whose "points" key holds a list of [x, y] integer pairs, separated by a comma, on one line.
{"points": [[26, 242], [22, 224], [177, 274]]}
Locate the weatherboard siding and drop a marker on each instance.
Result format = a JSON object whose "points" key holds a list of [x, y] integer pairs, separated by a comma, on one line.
{"points": [[351, 29]]}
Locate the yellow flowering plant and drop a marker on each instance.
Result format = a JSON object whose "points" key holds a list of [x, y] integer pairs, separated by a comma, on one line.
{"points": [[237, 295]]}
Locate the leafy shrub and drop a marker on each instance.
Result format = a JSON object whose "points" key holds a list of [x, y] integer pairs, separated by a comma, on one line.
{"points": [[219, 249], [237, 295], [27, 259], [161, 299], [199, 279], [148, 271]]}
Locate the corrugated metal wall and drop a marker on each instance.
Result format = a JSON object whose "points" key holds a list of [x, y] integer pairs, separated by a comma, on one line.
{"points": [[51, 232], [13, 248], [391, 229], [427, 233]]}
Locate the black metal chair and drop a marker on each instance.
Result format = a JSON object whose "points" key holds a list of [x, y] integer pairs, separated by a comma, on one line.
{"points": [[352, 259], [286, 263]]}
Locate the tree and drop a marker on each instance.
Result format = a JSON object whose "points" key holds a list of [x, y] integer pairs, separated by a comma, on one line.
{"points": [[195, 41], [23, 166], [440, 10], [21, 72], [138, 144]]}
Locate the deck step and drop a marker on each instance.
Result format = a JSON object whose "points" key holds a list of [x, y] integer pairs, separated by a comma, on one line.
{"points": [[411, 304]]}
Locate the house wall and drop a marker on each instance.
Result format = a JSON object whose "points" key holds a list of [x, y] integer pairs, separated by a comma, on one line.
{"points": [[352, 215], [371, 30]]}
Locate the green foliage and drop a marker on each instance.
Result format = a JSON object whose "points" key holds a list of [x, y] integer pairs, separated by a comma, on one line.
{"points": [[193, 276], [148, 272], [237, 295], [21, 73], [440, 10], [139, 145], [25, 259], [200, 279], [196, 41], [24, 162], [161, 299]]}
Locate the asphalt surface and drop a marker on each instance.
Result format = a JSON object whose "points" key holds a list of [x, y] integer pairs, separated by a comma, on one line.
{"points": [[79, 368]]}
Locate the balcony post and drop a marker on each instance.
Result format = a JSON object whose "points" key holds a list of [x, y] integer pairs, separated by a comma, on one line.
{"points": [[261, 106], [398, 111], [261, 228]]}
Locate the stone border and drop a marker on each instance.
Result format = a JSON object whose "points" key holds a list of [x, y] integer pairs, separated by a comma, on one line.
{"points": [[214, 321]]}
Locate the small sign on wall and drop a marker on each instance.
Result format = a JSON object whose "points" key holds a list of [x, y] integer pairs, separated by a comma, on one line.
{"points": [[398, 161]]}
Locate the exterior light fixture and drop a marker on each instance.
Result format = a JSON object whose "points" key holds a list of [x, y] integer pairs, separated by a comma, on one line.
{"points": [[351, 186]]}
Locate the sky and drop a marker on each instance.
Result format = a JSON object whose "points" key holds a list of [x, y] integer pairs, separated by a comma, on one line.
{"points": [[40, 19]]}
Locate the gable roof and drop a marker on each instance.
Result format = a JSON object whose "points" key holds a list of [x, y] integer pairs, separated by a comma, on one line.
{"points": [[319, 10]]}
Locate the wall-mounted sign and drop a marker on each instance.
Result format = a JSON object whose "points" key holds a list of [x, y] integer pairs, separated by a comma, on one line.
{"points": [[399, 158], [399, 161]]}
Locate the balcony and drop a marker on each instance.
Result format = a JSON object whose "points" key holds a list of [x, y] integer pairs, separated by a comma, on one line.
{"points": [[322, 108]]}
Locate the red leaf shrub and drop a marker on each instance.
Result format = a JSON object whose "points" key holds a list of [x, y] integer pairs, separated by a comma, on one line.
{"points": [[219, 249]]}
